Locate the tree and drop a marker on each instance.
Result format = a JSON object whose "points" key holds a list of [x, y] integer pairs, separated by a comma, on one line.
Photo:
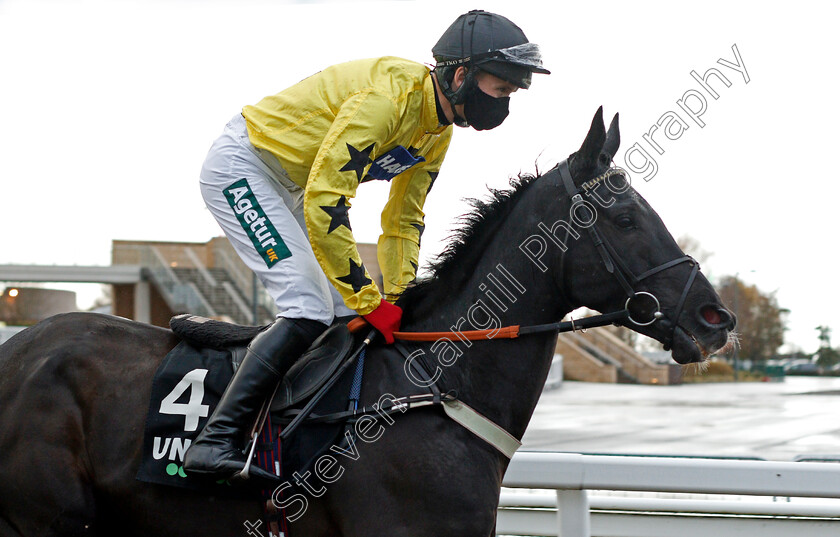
{"points": [[104, 299], [825, 335], [826, 356], [691, 246], [760, 319]]}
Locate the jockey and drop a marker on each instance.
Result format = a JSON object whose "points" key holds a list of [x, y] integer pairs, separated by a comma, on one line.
{"points": [[280, 178]]}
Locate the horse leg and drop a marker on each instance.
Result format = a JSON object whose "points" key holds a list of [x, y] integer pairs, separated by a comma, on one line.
{"points": [[44, 487], [57, 381], [40, 515]]}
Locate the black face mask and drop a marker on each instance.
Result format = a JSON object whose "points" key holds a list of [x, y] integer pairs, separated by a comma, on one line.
{"points": [[484, 111]]}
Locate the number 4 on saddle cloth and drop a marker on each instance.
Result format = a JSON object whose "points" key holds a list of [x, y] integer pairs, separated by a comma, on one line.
{"points": [[192, 378]]}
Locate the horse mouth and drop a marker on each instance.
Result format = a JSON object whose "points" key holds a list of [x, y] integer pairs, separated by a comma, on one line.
{"points": [[688, 348]]}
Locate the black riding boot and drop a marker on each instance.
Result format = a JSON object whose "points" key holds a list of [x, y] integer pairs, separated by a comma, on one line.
{"points": [[218, 449]]}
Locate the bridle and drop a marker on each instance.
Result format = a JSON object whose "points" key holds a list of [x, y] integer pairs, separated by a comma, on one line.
{"points": [[644, 304]]}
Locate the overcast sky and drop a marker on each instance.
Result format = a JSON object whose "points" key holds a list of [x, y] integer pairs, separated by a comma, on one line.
{"points": [[107, 109]]}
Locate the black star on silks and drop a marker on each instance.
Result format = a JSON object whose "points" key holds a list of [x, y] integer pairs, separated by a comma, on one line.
{"points": [[339, 214], [358, 160], [433, 175], [420, 227], [357, 277]]}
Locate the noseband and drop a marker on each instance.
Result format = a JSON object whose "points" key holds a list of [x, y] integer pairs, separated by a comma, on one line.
{"points": [[640, 301]]}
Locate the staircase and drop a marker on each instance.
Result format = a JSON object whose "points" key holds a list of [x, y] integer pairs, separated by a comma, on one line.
{"points": [[218, 290], [222, 289], [580, 364], [600, 356], [180, 273]]}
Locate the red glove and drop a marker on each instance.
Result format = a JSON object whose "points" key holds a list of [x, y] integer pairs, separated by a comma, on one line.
{"points": [[386, 319]]}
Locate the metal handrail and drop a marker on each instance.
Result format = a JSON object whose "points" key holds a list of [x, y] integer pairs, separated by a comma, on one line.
{"points": [[202, 270], [234, 296], [244, 281], [180, 297], [224, 262], [191, 294], [183, 298]]}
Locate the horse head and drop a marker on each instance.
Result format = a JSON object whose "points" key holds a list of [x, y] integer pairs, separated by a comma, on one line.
{"points": [[623, 256]]}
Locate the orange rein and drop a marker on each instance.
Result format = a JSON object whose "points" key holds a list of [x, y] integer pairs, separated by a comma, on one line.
{"points": [[506, 332]]}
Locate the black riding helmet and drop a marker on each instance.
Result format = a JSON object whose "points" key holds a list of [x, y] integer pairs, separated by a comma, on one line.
{"points": [[490, 42]]}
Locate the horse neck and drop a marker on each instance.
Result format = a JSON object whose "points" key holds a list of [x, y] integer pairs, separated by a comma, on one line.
{"points": [[501, 378]]}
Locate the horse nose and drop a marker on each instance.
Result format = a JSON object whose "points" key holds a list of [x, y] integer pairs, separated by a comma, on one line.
{"points": [[717, 317]]}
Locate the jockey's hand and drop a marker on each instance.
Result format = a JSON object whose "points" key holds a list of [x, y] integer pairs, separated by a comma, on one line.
{"points": [[386, 319]]}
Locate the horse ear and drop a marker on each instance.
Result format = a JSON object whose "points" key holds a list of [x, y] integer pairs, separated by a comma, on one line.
{"points": [[587, 155], [613, 138]]}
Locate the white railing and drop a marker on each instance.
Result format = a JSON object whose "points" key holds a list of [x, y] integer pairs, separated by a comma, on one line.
{"points": [[570, 512]]}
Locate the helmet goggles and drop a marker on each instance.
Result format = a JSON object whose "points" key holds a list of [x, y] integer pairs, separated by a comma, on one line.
{"points": [[514, 64]]}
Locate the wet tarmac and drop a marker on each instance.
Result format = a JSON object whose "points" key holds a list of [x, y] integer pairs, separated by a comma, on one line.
{"points": [[769, 420]]}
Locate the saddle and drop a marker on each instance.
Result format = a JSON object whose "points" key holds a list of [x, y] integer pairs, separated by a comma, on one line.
{"points": [[314, 368]]}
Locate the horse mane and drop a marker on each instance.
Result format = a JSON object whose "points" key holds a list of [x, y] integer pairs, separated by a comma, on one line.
{"points": [[457, 261]]}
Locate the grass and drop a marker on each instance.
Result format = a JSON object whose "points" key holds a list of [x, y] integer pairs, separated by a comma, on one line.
{"points": [[717, 371]]}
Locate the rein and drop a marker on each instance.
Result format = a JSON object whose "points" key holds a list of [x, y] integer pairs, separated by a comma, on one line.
{"points": [[505, 332]]}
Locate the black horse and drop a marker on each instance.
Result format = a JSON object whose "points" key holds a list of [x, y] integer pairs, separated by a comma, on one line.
{"points": [[74, 389]]}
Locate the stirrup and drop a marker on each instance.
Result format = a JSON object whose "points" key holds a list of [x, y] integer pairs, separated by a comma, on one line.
{"points": [[248, 471], [245, 473], [255, 476]]}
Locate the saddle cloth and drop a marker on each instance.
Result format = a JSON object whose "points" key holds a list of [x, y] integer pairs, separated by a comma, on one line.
{"points": [[193, 376]]}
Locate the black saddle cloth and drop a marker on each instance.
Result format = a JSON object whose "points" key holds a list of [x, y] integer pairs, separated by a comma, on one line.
{"points": [[194, 375]]}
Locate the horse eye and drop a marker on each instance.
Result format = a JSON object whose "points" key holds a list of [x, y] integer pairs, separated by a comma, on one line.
{"points": [[624, 222]]}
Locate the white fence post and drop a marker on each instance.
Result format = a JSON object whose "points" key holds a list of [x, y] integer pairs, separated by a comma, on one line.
{"points": [[572, 513]]}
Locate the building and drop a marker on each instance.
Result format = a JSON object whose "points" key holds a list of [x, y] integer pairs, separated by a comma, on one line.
{"points": [[206, 279], [24, 306]]}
